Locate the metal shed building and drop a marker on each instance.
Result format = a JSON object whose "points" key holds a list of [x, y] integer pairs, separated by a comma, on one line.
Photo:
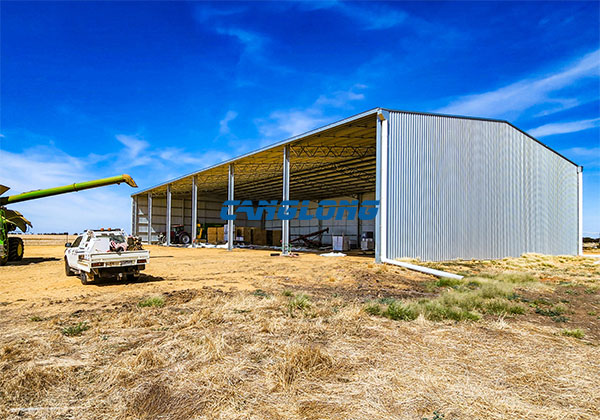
{"points": [[448, 187]]}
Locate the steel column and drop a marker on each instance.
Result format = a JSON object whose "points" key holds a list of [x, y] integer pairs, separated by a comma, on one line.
{"points": [[134, 213], [194, 209], [168, 232], [285, 224], [230, 195], [358, 221], [149, 218]]}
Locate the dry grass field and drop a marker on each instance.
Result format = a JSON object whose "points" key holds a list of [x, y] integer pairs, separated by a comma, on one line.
{"points": [[211, 334]]}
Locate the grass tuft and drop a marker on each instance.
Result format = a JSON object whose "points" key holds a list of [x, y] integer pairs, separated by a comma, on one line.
{"points": [[465, 300], [261, 293], [300, 301], [373, 308], [448, 282], [436, 416], [77, 329], [577, 333], [302, 361], [156, 301], [401, 312]]}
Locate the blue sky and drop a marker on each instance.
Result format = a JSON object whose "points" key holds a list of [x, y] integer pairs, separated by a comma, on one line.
{"points": [[160, 89]]}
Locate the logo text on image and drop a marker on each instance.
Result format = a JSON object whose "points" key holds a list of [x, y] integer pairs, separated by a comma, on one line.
{"points": [[291, 209]]}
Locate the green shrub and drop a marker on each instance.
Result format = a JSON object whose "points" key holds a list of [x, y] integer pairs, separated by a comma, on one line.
{"points": [[287, 293], [515, 278], [436, 416], [555, 311], [399, 311], [373, 309], [76, 329], [156, 301], [577, 333], [386, 300], [437, 310], [261, 293], [300, 301], [448, 282], [502, 306], [467, 299]]}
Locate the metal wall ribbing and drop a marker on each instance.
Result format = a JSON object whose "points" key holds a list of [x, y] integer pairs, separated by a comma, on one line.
{"points": [[467, 188]]}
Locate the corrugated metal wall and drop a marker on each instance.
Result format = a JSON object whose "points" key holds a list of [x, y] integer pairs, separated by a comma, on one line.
{"points": [[462, 188]]}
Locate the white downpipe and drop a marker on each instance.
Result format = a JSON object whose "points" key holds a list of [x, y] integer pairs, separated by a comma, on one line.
{"points": [[383, 228], [384, 190], [422, 269], [580, 211]]}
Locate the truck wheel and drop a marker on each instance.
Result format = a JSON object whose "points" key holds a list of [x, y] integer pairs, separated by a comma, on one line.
{"points": [[68, 270], [86, 278], [15, 249], [185, 238]]}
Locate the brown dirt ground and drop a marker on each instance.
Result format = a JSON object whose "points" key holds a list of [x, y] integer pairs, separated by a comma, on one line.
{"points": [[220, 349]]}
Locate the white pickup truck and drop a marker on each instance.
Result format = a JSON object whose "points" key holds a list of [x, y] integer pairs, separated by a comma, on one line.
{"points": [[105, 254]]}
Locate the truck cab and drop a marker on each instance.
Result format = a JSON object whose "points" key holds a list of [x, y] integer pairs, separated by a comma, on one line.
{"points": [[109, 253]]}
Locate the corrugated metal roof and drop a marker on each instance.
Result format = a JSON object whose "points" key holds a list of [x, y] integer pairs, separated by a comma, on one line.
{"points": [[345, 149], [332, 160]]}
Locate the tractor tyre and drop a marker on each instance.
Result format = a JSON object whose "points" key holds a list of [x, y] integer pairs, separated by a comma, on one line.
{"points": [[3, 259], [185, 238], [86, 278], [15, 249], [68, 270]]}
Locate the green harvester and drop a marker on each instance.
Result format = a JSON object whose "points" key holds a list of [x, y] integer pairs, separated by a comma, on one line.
{"points": [[11, 248]]}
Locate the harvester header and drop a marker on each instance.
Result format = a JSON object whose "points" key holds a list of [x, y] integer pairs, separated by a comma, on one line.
{"points": [[11, 248], [35, 194]]}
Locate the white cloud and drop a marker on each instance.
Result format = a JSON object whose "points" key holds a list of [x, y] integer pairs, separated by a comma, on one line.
{"points": [[340, 98], [47, 166], [588, 157], [284, 124], [593, 152], [44, 168], [224, 123], [564, 127], [374, 17], [525, 94], [133, 154], [370, 15], [205, 13], [252, 41], [287, 123]]}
